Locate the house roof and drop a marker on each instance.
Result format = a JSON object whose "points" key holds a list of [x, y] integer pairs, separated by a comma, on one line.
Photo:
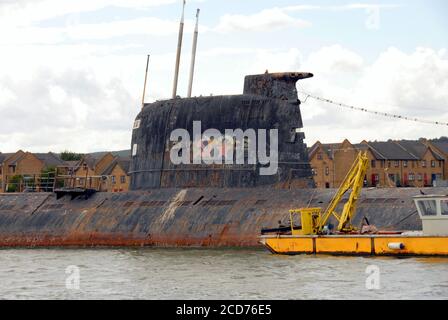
{"points": [[90, 160], [49, 159], [70, 164], [366, 146], [441, 145], [4, 156], [326, 147], [419, 149], [15, 157], [329, 148], [122, 162], [391, 150], [313, 148], [416, 148]]}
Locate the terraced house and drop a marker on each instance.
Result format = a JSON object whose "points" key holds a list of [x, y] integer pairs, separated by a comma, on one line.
{"points": [[22, 170], [441, 146], [104, 172], [401, 163]]}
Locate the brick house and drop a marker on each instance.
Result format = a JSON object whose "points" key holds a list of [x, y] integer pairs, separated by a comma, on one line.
{"points": [[391, 163], [330, 162], [116, 177], [441, 146], [87, 172], [22, 170], [104, 172]]}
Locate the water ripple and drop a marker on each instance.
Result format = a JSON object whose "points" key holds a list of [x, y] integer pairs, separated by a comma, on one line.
{"points": [[155, 273]]}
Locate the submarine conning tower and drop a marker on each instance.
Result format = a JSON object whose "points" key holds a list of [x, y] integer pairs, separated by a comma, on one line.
{"points": [[268, 104]]}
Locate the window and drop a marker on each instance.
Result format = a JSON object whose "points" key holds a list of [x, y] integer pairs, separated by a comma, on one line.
{"points": [[373, 163], [424, 163], [419, 176], [136, 124], [396, 163], [411, 177], [327, 171], [405, 163], [433, 163], [444, 207], [427, 207], [134, 150], [122, 179], [113, 180], [319, 156]]}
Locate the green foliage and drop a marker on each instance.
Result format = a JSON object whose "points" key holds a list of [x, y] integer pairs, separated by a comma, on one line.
{"points": [[14, 183], [48, 170], [71, 156]]}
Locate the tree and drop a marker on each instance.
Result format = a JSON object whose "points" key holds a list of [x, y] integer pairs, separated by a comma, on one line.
{"points": [[71, 156], [14, 184]]}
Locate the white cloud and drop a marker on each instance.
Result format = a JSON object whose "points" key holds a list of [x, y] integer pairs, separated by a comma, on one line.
{"points": [[83, 95], [276, 61], [27, 12], [265, 20], [75, 96], [55, 111], [330, 60], [354, 6], [410, 84], [350, 6]]}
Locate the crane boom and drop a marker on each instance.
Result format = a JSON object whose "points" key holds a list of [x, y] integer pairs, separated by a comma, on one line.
{"points": [[354, 180], [313, 220]]}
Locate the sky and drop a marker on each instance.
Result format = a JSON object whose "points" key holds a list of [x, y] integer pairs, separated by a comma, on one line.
{"points": [[71, 72]]}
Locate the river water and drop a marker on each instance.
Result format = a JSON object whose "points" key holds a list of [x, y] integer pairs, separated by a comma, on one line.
{"points": [[161, 273]]}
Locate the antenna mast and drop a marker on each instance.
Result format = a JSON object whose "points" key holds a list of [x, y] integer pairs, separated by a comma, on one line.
{"points": [[193, 54], [179, 49], [144, 85]]}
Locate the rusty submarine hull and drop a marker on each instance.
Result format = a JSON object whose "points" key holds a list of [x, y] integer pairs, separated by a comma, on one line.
{"points": [[198, 204], [180, 217]]}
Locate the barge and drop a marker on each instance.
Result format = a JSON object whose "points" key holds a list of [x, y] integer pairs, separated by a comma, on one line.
{"points": [[316, 234]]}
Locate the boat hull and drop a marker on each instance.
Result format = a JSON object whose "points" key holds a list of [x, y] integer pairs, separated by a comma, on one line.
{"points": [[399, 245]]}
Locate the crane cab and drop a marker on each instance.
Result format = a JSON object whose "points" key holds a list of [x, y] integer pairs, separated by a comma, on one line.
{"points": [[433, 211], [309, 218]]}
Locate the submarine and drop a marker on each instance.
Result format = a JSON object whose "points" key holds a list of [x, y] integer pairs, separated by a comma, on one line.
{"points": [[199, 204], [205, 171]]}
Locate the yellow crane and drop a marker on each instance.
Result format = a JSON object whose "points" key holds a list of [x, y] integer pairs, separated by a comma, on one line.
{"points": [[314, 220]]}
